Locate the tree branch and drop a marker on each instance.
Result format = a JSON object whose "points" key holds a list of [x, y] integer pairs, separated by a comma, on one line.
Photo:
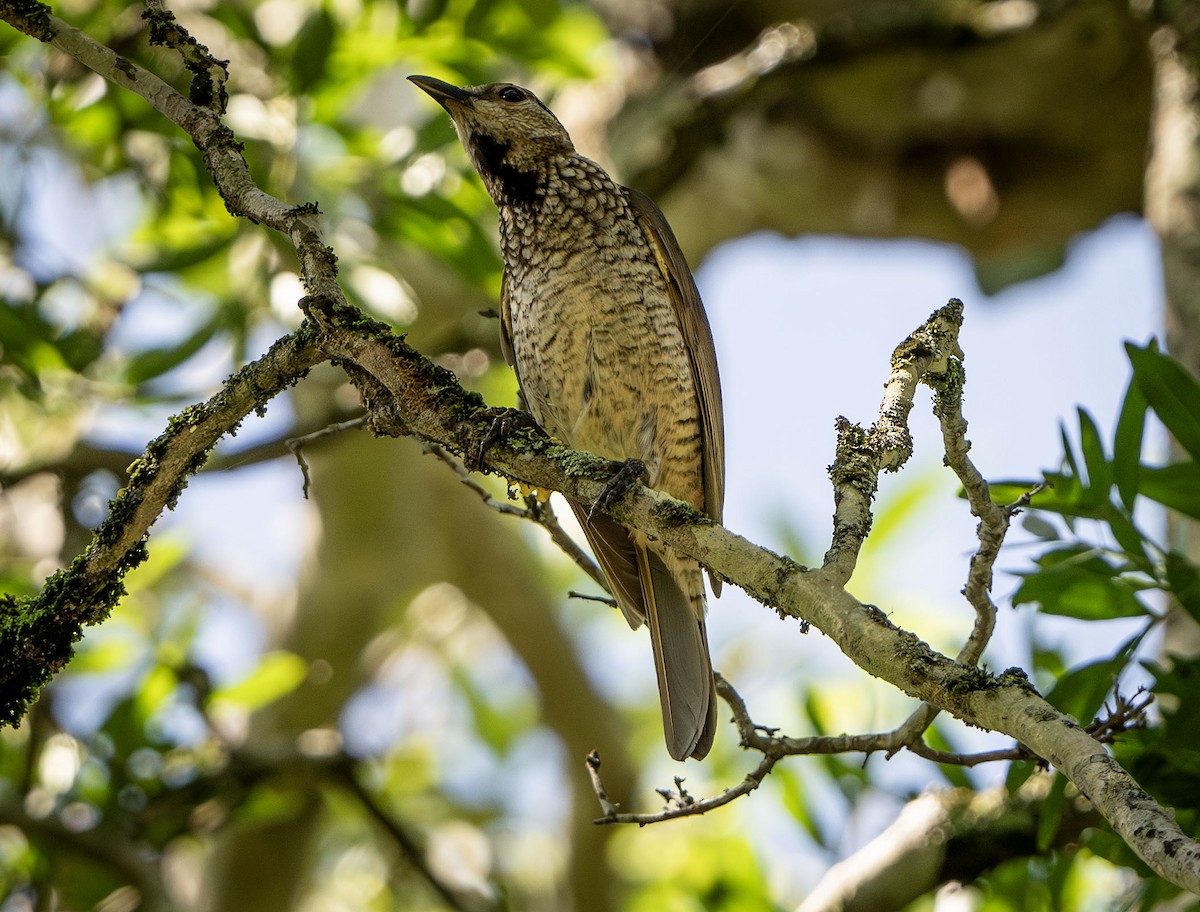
{"points": [[944, 836], [408, 844], [37, 634], [863, 454]]}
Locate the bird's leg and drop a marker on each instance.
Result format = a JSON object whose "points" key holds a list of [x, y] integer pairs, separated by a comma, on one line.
{"points": [[503, 422], [625, 475]]}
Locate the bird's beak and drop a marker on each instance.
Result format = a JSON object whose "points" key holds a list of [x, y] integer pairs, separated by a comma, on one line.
{"points": [[440, 91]]}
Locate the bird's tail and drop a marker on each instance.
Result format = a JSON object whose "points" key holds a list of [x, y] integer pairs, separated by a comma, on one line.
{"points": [[666, 592], [673, 595]]}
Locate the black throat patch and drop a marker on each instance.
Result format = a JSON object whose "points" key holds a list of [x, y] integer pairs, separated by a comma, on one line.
{"points": [[518, 188]]}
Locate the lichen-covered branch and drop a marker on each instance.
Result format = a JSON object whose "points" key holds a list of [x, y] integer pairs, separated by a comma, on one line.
{"points": [[37, 634], [199, 118], [863, 454]]}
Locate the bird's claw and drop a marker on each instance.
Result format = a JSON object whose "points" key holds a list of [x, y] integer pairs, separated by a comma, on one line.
{"points": [[503, 422], [625, 476]]}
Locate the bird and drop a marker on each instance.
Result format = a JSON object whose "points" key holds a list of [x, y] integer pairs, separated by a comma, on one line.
{"points": [[602, 322]]}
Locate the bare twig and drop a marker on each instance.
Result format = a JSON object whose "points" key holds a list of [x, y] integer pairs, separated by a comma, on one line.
{"points": [[535, 510], [607, 808], [297, 444], [470, 482], [1126, 714], [677, 804], [586, 597], [951, 758]]}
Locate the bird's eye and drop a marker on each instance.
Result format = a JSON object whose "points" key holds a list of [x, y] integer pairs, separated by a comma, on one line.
{"points": [[511, 93]]}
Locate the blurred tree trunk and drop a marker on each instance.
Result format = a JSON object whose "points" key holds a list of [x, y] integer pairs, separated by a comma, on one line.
{"points": [[1173, 208], [424, 527]]}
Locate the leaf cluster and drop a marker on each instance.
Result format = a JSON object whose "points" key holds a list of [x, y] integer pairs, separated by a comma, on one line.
{"points": [[1100, 564]]}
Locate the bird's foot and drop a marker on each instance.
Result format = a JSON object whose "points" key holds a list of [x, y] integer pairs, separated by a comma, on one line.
{"points": [[625, 475], [502, 423]]}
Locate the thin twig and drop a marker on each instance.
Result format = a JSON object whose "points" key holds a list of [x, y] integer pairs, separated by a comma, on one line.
{"points": [[548, 520], [297, 444], [535, 510], [950, 758], [607, 808], [679, 803], [468, 481], [1124, 716], [583, 596]]}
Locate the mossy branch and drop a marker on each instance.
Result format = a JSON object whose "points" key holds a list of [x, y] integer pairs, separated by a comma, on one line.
{"points": [[37, 634]]}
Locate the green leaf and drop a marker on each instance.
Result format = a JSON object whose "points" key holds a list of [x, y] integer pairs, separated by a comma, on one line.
{"points": [[1075, 581], [1064, 495], [424, 12], [1009, 490], [1050, 815], [936, 738], [796, 800], [1128, 536], [119, 649], [1082, 691], [156, 687], [277, 674], [1171, 391], [1169, 770], [814, 712], [1019, 772], [895, 514], [1184, 581], [1127, 444], [1099, 472], [155, 362], [1035, 525], [1175, 486], [313, 45], [1068, 453], [541, 13]]}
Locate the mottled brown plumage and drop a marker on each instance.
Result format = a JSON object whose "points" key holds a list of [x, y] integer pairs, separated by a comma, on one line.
{"points": [[602, 322]]}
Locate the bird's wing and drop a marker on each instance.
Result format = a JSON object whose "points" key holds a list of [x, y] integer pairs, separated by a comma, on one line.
{"points": [[617, 557], [697, 337], [506, 345]]}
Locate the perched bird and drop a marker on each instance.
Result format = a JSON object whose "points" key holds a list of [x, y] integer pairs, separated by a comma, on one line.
{"points": [[601, 319]]}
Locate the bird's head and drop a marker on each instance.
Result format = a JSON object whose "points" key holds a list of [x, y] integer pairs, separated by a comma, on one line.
{"points": [[507, 132]]}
